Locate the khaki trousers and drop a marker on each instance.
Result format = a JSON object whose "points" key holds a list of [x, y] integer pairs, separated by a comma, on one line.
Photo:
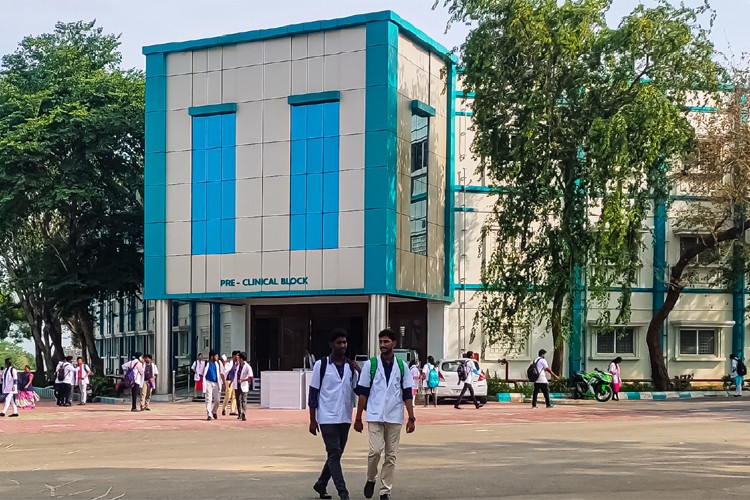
{"points": [[383, 437], [229, 398], [146, 391]]}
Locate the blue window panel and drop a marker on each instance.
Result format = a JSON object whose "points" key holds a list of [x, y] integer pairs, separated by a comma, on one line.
{"points": [[213, 135], [228, 231], [314, 121], [299, 122], [199, 165], [315, 193], [314, 231], [199, 132], [198, 211], [199, 237], [331, 154], [228, 200], [298, 157], [213, 165], [213, 236], [330, 119], [298, 195], [331, 230], [228, 164], [314, 156], [228, 130], [213, 200], [330, 192], [297, 232]]}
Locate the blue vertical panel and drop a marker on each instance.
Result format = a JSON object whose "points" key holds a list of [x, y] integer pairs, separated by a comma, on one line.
{"points": [[228, 230], [199, 165], [331, 230], [228, 164], [199, 132], [314, 234], [198, 209], [228, 200], [331, 192], [314, 156], [330, 119], [298, 157], [213, 236], [298, 232], [213, 131], [213, 200], [299, 122], [198, 237], [298, 195], [228, 130], [315, 193], [331, 154], [213, 165], [314, 121]]}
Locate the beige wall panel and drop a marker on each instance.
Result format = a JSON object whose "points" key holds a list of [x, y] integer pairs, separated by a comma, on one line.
{"points": [[275, 120], [198, 274], [249, 54], [178, 131], [315, 74], [352, 152], [278, 49], [275, 233], [315, 44], [178, 202], [229, 57], [249, 84], [276, 196], [249, 234], [214, 59], [178, 167], [200, 61], [179, 92], [178, 238], [179, 63], [277, 80], [275, 265], [299, 76], [331, 266], [351, 190], [332, 72], [351, 229], [178, 274], [352, 112], [213, 273], [352, 70], [250, 123], [213, 87], [353, 39], [299, 47], [249, 197], [249, 161], [351, 267], [314, 269], [200, 86], [276, 159], [229, 86]]}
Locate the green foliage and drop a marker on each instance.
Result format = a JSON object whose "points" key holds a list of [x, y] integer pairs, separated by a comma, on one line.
{"points": [[560, 384], [636, 387], [15, 352], [525, 388], [576, 124], [496, 385], [102, 386]]}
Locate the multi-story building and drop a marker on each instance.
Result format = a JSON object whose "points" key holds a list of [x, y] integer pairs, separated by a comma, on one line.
{"points": [[319, 175]]}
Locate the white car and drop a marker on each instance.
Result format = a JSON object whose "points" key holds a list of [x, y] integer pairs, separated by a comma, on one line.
{"points": [[450, 387]]}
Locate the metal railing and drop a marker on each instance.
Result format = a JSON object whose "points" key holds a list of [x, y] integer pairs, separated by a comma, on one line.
{"points": [[180, 385]]}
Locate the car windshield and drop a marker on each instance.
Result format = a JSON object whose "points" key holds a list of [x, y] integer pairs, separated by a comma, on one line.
{"points": [[452, 366]]}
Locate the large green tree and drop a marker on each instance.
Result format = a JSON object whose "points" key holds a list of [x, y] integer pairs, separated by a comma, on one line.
{"points": [[71, 176], [574, 123]]}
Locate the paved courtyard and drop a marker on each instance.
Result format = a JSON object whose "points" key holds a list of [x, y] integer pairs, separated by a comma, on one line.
{"points": [[690, 449]]}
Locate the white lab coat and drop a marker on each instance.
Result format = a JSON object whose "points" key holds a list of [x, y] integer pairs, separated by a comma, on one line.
{"points": [[198, 367], [85, 378], [385, 403], [70, 372], [10, 381], [219, 373], [245, 372], [137, 370]]}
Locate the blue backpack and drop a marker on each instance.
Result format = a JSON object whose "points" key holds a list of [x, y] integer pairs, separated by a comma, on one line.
{"points": [[433, 378], [130, 376]]}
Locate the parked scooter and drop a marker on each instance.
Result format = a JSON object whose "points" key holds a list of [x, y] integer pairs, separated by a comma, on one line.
{"points": [[597, 385]]}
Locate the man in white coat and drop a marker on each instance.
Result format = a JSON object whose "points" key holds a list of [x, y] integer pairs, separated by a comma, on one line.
{"points": [[83, 372], [198, 367], [384, 389], [150, 372], [10, 388], [213, 380], [242, 378], [135, 364]]}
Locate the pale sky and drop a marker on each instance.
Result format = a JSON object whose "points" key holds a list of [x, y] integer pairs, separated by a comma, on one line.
{"points": [[147, 22]]}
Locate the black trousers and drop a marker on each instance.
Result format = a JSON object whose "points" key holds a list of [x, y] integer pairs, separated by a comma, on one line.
{"points": [[135, 395], [544, 389], [58, 393], [241, 400], [334, 437], [471, 391], [65, 392]]}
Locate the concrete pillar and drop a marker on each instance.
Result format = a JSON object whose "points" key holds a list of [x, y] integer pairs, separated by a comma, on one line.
{"points": [[162, 332], [377, 320], [248, 328], [437, 330]]}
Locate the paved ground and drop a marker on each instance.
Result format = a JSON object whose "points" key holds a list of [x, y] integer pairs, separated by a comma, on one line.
{"points": [[693, 449]]}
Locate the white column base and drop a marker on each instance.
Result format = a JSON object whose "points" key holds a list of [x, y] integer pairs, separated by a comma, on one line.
{"points": [[162, 331], [377, 320]]}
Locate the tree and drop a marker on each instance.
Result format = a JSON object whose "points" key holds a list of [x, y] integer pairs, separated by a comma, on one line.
{"points": [[16, 353], [574, 121], [71, 177]]}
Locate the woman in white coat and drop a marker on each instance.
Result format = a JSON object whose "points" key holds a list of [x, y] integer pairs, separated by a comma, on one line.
{"points": [[243, 376], [10, 388]]}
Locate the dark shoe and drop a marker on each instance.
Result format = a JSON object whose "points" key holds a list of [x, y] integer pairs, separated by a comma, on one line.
{"points": [[369, 489], [456, 407], [14, 415], [243, 418], [135, 409], [479, 405], [320, 489], [233, 414], [534, 407], [223, 413], [2, 414], [209, 418], [147, 409], [215, 417], [385, 497], [551, 405]]}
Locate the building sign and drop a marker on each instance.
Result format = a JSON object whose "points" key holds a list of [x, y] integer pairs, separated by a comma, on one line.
{"points": [[299, 280]]}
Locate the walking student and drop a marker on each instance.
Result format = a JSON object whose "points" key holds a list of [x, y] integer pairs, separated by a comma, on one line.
{"points": [[243, 377], [331, 401], [430, 381], [150, 371], [69, 375], [469, 367], [198, 367], [229, 368], [83, 372], [542, 384], [133, 371], [384, 389], [213, 379], [26, 398], [737, 372], [614, 370], [10, 388], [415, 375]]}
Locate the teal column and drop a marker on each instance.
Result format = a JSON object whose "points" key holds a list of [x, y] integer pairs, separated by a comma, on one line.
{"points": [[450, 179], [660, 263], [216, 327], [576, 324], [738, 295]]}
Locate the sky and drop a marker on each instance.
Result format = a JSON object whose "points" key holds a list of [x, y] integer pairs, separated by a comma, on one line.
{"points": [[148, 22]]}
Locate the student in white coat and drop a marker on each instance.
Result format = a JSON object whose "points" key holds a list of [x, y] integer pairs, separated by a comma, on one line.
{"points": [[242, 378], [331, 401], [384, 390], [136, 364], [213, 379], [10, 388], [83, 372], [150, 372], [198, 367]]}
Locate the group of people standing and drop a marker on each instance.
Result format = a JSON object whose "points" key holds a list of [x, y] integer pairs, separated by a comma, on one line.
{"points": [[232, 376], [381, 388], [140, 373], [69, 375], [17, 389]]}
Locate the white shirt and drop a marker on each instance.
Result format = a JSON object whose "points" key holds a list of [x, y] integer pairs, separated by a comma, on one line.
{"points": [[415, 375], [10, 381], [198, 367], [614, 370], [219, 373], [469, 367], [85, 378], [385, 403], [426, 369], [228, 366], [335, 401], [734, 368], [541, 366], [137, 370], [242, 373], [70, 372]]}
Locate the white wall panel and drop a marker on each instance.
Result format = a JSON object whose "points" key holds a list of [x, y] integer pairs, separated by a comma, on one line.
{"points": [[351, 229], [275, 120], [198, 274], [276, 195], [178, 238], [178, 274], [278, 49], [332, 72], [200, 85], [315, 44], [249, 197], [351, 190], [178, 202], [332, 41], [213, 273], [249, 83], [249, 54], [351, 267], [213, 87], [214, 59], [179, 63], [352, 70], [299, 47], [352, 152], [351, 39], [178, 167], [297, 264], [249, 234], [178, 130], [299, 76], [200, 61], [275, 233], [229, 57], [276, 159], [352, 112], [314, 269], [330, 269], [179, 92], [315, 74], [277, 80], [250, 123], [275, 265], [249, 161], [229, 86]]}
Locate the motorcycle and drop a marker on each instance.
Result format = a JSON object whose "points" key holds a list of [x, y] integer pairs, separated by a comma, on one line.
{"points": [[597, 385]]}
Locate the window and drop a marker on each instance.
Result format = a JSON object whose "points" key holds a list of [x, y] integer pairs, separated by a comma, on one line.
{"points": [[314, 190], [616, 341], [706, 257], [213, 184], [698, 342], [419, 180]]}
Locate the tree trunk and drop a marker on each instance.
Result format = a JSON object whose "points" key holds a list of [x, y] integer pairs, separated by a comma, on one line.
{"points": [[557, 334], [86, 323], [53, 330], [39, 373]]}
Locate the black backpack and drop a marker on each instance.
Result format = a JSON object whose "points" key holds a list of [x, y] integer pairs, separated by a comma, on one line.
{"points": [[532, 372], [61, 373], [461, 370], [741, 368]]}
